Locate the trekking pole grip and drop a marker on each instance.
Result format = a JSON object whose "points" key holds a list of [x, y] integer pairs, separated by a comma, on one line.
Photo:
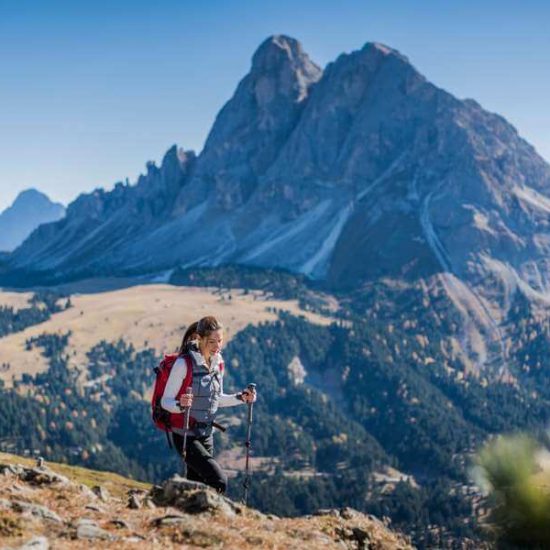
{"points": [[188, 391]]}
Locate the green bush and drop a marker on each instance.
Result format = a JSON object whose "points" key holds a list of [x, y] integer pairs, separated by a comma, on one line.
{"points": [[521, 506]]}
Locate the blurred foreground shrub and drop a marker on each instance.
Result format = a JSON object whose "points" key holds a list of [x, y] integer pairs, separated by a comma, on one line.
{"points": [[516, 472]]}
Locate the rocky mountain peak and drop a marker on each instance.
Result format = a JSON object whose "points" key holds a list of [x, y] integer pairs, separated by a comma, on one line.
{"points": [[253, 125], [30, 208], [377, 48], [362, 171], [275, 45], [30, 196], [283, 58]]}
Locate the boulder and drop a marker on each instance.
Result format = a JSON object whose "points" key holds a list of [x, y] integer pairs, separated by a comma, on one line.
{"points": [[120, 523], [192, 497], [134, 502], [88, 529], [35, 510], [93, 508], [169, 519], [101, 493], [86, 491], [11, 469], [42, 476], [201, 501], [36, 543]]}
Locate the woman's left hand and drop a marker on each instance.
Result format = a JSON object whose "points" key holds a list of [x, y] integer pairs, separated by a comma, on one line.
{"points": [[248, 395]]}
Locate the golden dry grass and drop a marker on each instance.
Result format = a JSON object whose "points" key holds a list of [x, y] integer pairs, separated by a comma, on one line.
{"points": [[146, 315], [16, 300], [116, 484]]}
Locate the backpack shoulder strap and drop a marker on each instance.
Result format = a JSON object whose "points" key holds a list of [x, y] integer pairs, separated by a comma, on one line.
{"points": [[189, 374]]}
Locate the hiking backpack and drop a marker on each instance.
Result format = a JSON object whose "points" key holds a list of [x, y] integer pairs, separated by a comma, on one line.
{"points": [[165, 420]]}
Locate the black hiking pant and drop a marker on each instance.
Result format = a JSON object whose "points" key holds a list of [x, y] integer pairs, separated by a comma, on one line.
{"points": [[199, 458]]}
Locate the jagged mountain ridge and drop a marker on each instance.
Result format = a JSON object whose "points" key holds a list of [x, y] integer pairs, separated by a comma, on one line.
{"points": [[359, 172], [29, 209]]}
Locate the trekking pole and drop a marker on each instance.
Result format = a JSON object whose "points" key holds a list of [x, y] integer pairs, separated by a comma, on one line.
{"points": [[246, 482], [188, 391]]}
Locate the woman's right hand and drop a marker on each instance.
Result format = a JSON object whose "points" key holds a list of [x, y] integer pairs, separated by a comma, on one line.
{"points": [[186, 400]]}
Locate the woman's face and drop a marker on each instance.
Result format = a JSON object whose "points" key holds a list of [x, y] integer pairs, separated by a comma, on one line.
{"points": [[212, 343]]}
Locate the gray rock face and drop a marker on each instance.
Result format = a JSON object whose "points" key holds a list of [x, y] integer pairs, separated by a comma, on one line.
{"points": [[356, 173], [89, 530], [35, 476], [36, 543], [35, 510], [30, 209], [101, 493], [192, 497], [134, 502], [253, 125], [101, 224]]}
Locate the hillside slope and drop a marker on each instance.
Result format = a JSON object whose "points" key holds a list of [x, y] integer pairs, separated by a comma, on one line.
{"points": [[153, 316], [62, 506]]}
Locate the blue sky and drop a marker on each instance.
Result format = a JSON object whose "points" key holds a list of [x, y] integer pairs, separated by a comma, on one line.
{"points": [[90, 91]]}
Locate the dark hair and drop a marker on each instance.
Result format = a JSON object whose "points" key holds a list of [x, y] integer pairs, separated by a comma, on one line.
{"points": [[203, 327]]}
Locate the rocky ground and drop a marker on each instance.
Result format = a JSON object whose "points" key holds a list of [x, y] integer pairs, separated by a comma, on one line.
{"points": [[58, 506]]}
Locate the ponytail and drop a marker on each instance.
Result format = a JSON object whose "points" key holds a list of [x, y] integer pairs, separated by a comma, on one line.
{"points": [[201, 328], [190, 334]]}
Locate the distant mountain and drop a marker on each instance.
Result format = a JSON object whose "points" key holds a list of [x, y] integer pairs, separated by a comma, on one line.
{"points": [[356, 174], [30, 209]]}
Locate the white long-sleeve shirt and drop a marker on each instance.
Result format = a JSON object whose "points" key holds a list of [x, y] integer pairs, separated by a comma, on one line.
{"points": [[176, 378]]}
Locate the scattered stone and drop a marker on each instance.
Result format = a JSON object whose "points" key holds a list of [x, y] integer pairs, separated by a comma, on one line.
{"points": [[86, 521], [327, 512], [172, 489], [42, 476], [192, 497], [361, 536], [35, 510], [89, 530], [120, 524], [357, 536], [201, 501], [140, 492], [148, 503], [256, 514], [133, 502], [134, 538], [86, 491], [94, 508], [320, 538], [5, 504], [101, 493], [170, 519], [349, 513], [36, 543], [11, 469]]}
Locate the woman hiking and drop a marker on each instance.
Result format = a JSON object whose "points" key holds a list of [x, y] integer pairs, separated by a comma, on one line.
{"points": [[200, 349]]}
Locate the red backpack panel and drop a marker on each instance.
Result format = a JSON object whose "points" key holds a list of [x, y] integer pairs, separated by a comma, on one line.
{"points": [[165, 420]]}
